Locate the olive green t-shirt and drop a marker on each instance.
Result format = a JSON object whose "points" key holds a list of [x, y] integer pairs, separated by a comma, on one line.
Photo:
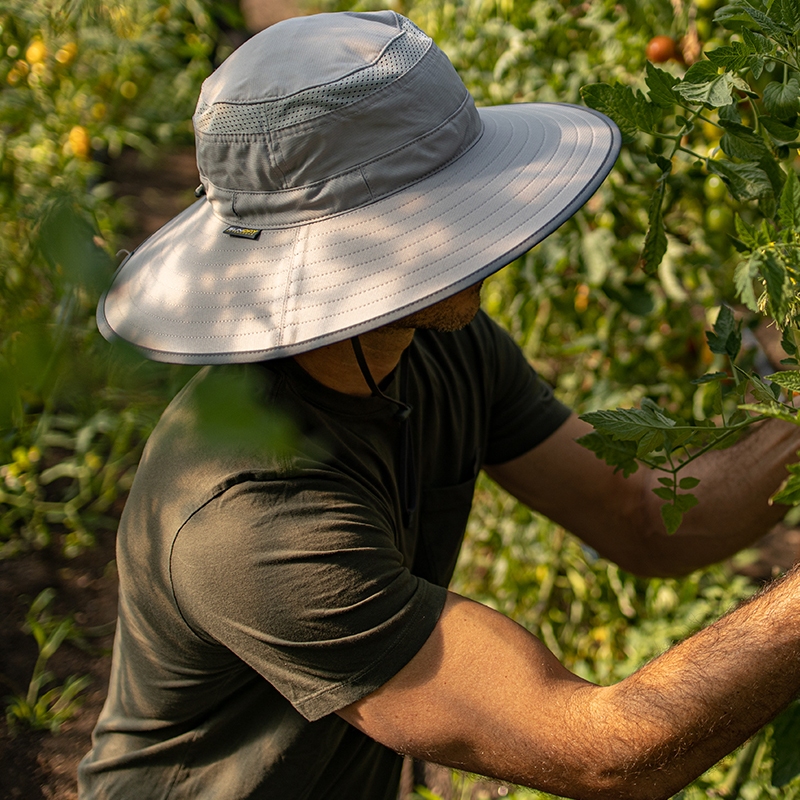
{"points": [[262, 589]]}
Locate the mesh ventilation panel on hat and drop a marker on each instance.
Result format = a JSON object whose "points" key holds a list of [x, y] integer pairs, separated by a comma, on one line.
{"points": [[400, 55]]}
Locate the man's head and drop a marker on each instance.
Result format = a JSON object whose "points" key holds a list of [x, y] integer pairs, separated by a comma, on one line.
{"points": [[348, 182]]}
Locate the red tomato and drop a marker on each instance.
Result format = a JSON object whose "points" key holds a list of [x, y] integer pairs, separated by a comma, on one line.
{"points": [[660, 49]]}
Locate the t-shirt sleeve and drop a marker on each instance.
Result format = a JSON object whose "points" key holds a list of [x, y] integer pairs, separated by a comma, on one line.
{"points": [[303, 582], [523, 408]]}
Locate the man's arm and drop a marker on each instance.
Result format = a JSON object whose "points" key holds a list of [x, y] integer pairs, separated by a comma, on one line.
{"points": [[486, 696], [620, 518]]}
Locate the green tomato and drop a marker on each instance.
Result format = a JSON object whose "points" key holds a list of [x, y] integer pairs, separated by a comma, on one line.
{"points": [[719, 219], [714, 188], [703, 29]]}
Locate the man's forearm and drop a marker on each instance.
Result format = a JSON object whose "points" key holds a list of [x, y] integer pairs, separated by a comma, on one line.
{"points": [[679, 714]]}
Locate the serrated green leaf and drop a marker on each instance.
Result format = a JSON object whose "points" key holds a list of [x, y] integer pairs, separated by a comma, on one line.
{"points": [[672, 517], [769, 26], [666, 481], [787, 12], [788, 342], [757, 43], [786, 735], [739, 141], [746, 232], [688, 482], [662, 162], [781, 133], [664, 493], [739, 56], [725, 338], [782, 100], [789, 491], [789, 207], [771, 410], [786, 379], [713, 93], [711, 377], [619, 454], [743, 277], [660, 83], [629, 424], [655, 242], [649, 442], [732, 57], [762, 391], [630, 110], [746, 181], [776, 281], [683, 502]]}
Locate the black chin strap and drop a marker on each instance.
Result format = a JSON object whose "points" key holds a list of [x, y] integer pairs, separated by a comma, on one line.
{"points": [[407, 476]]}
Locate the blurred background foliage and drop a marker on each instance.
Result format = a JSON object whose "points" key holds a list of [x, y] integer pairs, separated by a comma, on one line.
{"points": [[84, 81]]}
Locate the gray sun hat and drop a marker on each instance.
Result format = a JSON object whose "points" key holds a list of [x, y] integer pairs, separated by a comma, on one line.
{"points": [[348, 181]]}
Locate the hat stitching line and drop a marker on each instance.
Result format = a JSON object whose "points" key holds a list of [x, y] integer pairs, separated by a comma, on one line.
{"points": [[366, 183], [289, 270], [360, 168], [271, 148]]}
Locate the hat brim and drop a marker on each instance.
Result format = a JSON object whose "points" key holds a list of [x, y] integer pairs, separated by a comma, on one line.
{"points": [[192, 294]]}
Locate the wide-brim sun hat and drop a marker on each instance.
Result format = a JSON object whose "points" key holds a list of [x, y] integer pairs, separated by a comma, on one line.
{"points": [[348, 180]]}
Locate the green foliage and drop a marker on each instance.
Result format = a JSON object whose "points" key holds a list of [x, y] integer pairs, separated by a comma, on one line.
{"points": [[750, 88], [67, 478], [40, 708], [82, 80]]}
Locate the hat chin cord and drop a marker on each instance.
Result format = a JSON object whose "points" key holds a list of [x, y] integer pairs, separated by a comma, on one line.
{"points": [[407, 474]]}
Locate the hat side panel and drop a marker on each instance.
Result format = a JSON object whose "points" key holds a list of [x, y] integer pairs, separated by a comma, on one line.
{"points": [[390, 118]]}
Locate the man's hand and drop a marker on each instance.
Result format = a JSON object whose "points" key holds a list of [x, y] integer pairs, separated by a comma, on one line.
{"points": [[486, 696]]}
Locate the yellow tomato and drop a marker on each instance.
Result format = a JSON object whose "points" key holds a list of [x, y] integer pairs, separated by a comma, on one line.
{"points": [[79, 142], [36, 52], [67, 53]]}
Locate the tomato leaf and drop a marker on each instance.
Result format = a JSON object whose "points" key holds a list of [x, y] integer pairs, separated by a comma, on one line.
{"points": [[725, 338], [789, 208], [660, 82]]}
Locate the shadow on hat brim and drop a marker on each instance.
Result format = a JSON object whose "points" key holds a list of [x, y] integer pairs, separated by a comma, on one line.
{"points": [[192, 294]]}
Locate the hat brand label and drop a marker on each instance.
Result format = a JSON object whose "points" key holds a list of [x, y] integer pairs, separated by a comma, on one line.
{"points": [[242, 233]]}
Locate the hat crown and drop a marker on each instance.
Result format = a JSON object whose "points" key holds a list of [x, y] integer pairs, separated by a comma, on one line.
{"points": [[323, 114], [274, 80]]}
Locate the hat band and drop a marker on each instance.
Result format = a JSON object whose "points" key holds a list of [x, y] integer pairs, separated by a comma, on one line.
{"points": [[357, 187]]}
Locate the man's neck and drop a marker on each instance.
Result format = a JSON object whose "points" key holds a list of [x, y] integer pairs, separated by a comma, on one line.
{"points": [[336, 367]]}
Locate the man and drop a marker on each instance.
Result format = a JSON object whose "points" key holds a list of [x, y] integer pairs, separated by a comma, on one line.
{"points": [[285, 627]]}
